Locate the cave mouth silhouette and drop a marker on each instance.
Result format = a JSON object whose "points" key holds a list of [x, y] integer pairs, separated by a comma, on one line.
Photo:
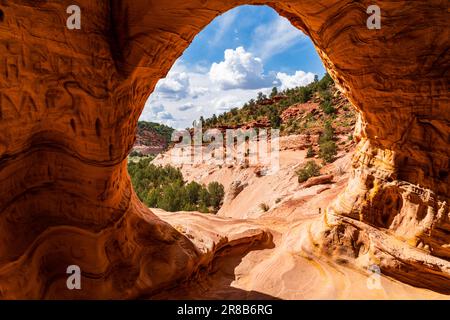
{"points": [[76, 96], [179, 88]]}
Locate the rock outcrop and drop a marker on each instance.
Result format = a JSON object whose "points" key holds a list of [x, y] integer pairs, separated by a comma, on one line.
{"points": [[314, 181], [69, 105]]}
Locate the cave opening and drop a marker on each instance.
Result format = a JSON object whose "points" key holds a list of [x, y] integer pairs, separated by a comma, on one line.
{"points": [[249, 96], [70, 101]]}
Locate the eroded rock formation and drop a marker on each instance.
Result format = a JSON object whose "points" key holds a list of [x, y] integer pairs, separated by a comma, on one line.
{"points": [[69, 104]]}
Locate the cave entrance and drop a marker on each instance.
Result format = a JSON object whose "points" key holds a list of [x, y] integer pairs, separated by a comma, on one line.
{"points": [[248, 104]]}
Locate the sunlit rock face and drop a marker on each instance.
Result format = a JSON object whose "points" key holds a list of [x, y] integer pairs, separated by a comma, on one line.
{"points": [[69, 104]]}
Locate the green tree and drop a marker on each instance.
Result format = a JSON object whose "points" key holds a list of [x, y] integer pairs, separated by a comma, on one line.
{"points": [[304, 94], [328, 133], [328, 151], [172, 197], [216, 194], [164, 187], [327, 107], [310, 153], [193, 192], [310, 169], [214, 119], [275, 120], [261, 97], [274, 92]]}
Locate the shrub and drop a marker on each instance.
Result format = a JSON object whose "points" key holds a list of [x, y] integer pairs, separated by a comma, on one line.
{"points": [[325, 82], [193, 192], [328, 150], [327, 107], [274, 92], [136, 153], [275, 121], [172, 197], [310, 153], [216, 194], [264, 207], [311, 169], [328, 133], [305, 94]]}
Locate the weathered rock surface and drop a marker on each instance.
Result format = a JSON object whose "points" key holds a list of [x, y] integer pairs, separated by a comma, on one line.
{"points": [[69, 104], [314, 181], [236, 187]]}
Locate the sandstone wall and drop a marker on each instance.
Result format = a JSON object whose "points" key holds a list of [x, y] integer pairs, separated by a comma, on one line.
{"points": [[69, 104]]}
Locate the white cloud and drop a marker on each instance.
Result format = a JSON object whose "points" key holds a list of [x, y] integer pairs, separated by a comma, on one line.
{"points": [[195, 92], [224, 22], [186, 106], [275, 37], [176, 85], [240, 69], [164, 115], [204, 97], [299, 78], [156, 112], [155, 108], [179, 113], [225, 103]]}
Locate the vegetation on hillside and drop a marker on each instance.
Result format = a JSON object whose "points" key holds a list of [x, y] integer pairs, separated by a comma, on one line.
{"points": [[164, 187], [310, 169], [161, 129], [271, 107], [328, 148]]}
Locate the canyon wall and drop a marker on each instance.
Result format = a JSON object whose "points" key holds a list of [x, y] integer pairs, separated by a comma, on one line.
{"points": [[69, 105]]}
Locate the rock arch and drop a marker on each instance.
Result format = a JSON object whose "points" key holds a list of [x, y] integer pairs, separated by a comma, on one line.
{"points": [[70, 100]]}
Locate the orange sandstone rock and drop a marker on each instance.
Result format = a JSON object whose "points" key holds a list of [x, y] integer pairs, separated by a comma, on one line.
{"points": [[69, 104]]}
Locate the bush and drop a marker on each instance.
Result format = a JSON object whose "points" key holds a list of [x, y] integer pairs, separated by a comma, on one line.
{"points": [[216, 194], [325, 82], [327, 107], [274, 92], [305, 94], [136, 153], [311, 169], [275, 121], [328, 150], [310, 153], [264, 207], [328, 133]]}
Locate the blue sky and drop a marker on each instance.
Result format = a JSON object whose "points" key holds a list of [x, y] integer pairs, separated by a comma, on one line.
{"points": [[244, 51]]}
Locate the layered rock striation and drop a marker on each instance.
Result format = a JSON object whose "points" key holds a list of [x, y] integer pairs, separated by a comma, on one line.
{"points": [[69, 105]]}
